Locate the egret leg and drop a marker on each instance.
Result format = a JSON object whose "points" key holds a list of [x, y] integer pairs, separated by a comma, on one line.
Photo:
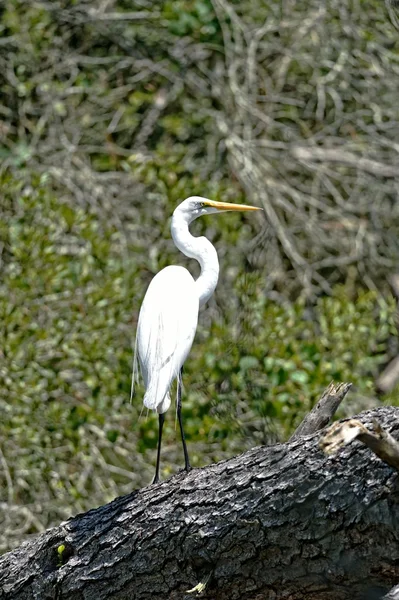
{"points": [[161, 420], [187, 465]]}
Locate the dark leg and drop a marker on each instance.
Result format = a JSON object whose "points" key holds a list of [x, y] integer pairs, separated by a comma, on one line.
{"points": [[187, 465], [161, 422]]}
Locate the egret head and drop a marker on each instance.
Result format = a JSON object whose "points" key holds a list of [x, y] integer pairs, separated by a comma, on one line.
{"points": [[196, 206]]}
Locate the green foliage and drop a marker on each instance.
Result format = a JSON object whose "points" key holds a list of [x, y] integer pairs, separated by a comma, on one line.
{"points": [[282, 356], [68, 304], [188, 17], [84, 225]]}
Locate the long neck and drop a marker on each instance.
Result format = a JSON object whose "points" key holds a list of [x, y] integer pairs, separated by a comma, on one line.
{"points": [[202, 250]]}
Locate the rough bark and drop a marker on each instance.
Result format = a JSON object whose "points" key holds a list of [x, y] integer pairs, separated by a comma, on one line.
{"points": [[277, 522]]}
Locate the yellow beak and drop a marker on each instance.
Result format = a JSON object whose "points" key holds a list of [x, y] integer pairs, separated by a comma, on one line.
{"points": [[228, 206]]}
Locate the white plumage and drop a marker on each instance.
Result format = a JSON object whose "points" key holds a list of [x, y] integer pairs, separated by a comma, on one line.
{"points": [[169, 313], [166, 329]]}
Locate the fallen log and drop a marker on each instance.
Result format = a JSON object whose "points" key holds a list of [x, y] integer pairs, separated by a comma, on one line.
{"points": [[284, 521]]}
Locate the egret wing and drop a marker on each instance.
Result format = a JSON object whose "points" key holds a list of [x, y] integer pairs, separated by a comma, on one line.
{"points": [[166, 329]]}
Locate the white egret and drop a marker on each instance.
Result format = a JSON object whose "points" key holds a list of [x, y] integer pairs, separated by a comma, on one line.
{"points": [[169, 313]]}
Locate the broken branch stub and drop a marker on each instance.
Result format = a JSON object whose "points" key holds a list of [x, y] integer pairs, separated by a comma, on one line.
{"points": [[380, 441]]}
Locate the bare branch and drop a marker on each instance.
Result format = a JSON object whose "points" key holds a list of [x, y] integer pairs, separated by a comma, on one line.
{"points": [[380, 442], [94, 15], [323, 411], [389, 377], [345, 158]]}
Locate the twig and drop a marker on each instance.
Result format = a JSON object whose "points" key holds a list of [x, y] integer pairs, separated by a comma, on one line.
{"points": [[394, 281], [389, 377], [336, 155], [391, 6]]}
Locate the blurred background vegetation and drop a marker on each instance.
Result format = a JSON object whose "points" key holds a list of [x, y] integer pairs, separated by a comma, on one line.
{"points": [[113, 112]]}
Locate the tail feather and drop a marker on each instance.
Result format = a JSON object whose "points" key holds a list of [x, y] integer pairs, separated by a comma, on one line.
{"points": [[158, 402], [135, 370], [165, 332], [159, 372]]}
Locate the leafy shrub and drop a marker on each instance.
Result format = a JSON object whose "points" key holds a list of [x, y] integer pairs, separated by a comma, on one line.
{"points": [[69, 299]]}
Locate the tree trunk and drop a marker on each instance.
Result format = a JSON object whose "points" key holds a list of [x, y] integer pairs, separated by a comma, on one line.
{"points": [[277, 522]]}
